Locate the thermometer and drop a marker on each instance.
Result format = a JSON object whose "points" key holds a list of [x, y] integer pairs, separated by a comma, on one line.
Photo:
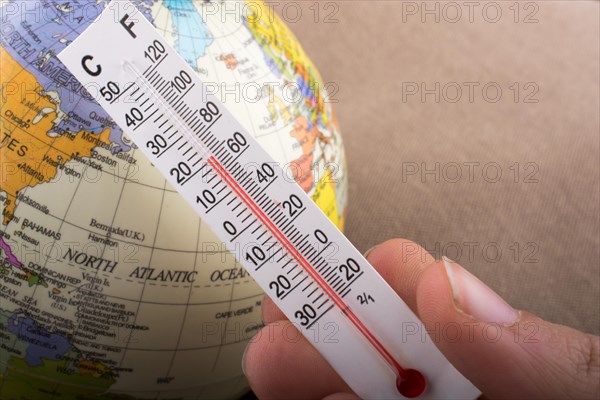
{"points": [[251, 204]]}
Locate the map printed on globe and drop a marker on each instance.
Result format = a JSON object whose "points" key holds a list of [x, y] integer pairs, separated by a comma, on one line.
{"points": [[111, 287]]}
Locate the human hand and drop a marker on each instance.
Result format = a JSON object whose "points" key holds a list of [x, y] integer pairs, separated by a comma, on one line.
{"points": [[504, 352]]}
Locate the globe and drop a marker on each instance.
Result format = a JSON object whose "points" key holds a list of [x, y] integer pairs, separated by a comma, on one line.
{"points": [[111, 287]]}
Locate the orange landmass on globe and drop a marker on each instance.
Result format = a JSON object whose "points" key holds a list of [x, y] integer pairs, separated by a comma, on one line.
{"points": [[302, 171], [307, 138], [230, 60], [28, 155]]}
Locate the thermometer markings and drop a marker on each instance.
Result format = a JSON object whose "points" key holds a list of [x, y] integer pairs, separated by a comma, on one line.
{"points": [[291, 221], [189, 117], [296, 235], [217, 184], [348, 288], [237, 205], [245, 229], [123, 92], [320, 252], [324, 269], [241, 212], [304, 247], [161, 85], [308, 287], [182, 96], [282, 257], [318, 297], [195, 124], [159, 118], [150, 74], [262, 234], [173, 134], [181, 107], [321, 265], [185, 112], [193, 121], [319, 317], [267, 241], [191, 176], [293, 287], [210, 141], [338, 285], [155, 66], [218, 202], [219, 148], [167, 149], [298, 274], [292, 269], [328, 275], [312, 292], [177, 103], [170, 93], [257, 228], [322, 304], [154, 79], [145, 119], [246, 218], [334, 280], [187, 151], [188, 114], [222, 190]]}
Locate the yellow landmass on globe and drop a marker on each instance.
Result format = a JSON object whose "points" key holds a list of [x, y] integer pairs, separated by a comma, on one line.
{"points": [[28, 155], [324, 197], [276, 107], [93, 368], [281, 45]]}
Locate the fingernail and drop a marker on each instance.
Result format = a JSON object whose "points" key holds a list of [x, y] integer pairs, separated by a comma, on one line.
{"points": [[244, 359], [366, 255], [473, 297]]}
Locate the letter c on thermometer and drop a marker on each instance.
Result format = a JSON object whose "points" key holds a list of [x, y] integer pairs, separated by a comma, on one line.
{"points": [[84, 62]]}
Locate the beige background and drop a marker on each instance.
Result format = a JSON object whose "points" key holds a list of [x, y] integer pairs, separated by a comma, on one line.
{"points": [[551, 212]]}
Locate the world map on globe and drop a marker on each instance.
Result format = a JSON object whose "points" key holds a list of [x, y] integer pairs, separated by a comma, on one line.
{"points": [[111, 287]]}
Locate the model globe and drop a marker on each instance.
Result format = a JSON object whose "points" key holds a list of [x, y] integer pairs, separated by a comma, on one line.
{"points": [[111, 287]]}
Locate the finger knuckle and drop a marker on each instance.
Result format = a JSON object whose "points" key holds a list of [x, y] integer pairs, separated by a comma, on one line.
{"points": [[582, 354]]}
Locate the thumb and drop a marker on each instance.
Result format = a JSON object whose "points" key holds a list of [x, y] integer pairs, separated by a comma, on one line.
{"points": [[504, 352]]}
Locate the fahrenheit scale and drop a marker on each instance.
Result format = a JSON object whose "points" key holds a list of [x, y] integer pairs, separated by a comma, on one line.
{"points": [[251, 204]]}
